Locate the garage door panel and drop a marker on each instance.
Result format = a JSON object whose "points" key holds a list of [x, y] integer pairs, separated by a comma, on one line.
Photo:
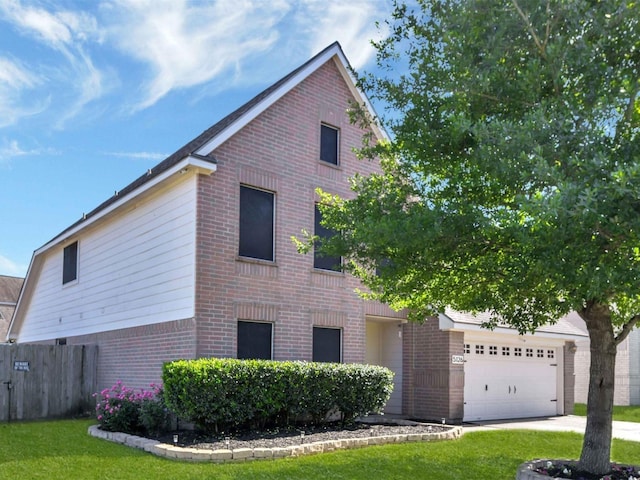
{"points": [[505, 381]]}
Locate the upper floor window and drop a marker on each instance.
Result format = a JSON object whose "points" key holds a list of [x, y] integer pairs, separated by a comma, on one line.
{"points": [[329, 144], [70, 263], [256, 223], [320, 260]]}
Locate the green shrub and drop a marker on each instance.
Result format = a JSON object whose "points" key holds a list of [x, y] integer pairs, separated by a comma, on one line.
{"points": [[220, 394]]}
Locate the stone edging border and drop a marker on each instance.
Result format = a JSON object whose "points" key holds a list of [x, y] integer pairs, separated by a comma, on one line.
{"points": [[243, 454]]}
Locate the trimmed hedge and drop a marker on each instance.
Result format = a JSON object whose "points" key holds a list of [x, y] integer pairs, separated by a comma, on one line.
{"points": [[222, 394]]}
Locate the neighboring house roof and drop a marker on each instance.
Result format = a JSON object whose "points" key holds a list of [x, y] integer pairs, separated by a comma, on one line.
{"points": [[576, 320], [9, 293], [195, 154], [10, 289], [454, 320]]}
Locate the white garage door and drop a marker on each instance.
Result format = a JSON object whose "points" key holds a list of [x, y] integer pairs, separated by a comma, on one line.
{"points": [[509, 381]]}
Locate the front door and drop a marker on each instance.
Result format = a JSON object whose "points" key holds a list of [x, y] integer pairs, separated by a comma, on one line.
{"points": [[384, 347]]}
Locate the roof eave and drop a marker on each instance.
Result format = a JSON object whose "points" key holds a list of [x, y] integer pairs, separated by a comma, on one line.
{"points": [[192, 161], [448, 324]]}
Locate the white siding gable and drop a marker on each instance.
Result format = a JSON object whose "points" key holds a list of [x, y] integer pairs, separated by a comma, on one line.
{"points": [[134, 268]]}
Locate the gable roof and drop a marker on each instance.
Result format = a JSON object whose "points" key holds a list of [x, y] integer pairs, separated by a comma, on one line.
{"points": [[196, 154], [199, 149]]}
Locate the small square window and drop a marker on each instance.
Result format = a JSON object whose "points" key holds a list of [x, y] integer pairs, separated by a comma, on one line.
{"points": [[479, 349], [551, 354], [506, 351], [329, 144], [321, 261], [70, 263], [540, 353], [493, 350], [467, 348], [327, 344], [254, 340], [517, 351], [529, 352], [256, 223]]}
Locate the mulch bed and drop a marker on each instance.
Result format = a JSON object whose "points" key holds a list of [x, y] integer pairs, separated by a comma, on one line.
{"points": [[291, 437], [563, 470]]}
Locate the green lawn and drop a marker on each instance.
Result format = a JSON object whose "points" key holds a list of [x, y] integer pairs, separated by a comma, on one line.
{"points": [[623, 414], [63, 450]]}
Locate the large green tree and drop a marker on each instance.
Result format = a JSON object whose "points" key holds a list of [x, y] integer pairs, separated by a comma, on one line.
{"points": [[511, 183]]}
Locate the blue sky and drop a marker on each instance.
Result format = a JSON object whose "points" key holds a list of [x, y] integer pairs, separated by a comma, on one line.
{"points": [[93, 93]]}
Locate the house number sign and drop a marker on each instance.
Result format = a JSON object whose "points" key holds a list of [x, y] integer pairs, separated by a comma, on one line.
{"points": [[457, 359], [21, 366]]}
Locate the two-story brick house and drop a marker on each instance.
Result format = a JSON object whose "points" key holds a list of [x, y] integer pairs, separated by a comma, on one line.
{"points": [[195, 258]]}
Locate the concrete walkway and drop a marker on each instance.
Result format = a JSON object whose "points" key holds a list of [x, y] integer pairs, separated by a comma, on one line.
{"points": [[568, 423]]}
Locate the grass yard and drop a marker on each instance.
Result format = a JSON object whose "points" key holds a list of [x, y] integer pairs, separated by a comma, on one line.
{"points": [[620, 413], [63, 450]]}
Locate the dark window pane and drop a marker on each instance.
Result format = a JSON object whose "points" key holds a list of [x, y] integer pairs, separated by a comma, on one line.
{"points": [[70, 263], [326, 344], [384, 263], [328, 144], [256, 223], [254, 340], [319, 260]]}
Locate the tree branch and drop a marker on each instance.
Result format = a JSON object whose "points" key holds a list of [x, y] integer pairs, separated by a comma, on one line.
{"points": [[626, 329], [548, 29], [524, 17]]}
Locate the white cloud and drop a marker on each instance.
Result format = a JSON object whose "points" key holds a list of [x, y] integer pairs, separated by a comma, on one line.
{"points": [[65, 32], [60, 30], [11, 149], [190, 43], [139, 155], [14, 80], [352, 23], [182, 44], [13, 75], [11, 268]]}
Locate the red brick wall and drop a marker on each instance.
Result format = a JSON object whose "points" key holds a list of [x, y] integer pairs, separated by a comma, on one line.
{"points": [[135, 355], [569, 352], [279, 151], [433, 387]]}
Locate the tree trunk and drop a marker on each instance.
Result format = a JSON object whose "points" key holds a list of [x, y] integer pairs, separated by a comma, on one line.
{"points": [[596, 447]]}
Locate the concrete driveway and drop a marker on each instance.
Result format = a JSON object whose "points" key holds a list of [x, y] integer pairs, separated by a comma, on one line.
{"points": [[568, 423]]}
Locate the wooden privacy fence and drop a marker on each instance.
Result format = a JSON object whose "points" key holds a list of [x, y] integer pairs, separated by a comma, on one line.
{"points": [[46, 381]]}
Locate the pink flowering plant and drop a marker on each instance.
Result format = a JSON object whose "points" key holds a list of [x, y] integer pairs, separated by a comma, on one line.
{"points": [[122, 409]]}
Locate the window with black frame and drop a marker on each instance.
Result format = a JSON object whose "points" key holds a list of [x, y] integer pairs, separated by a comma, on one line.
{"points": [[255, 340], [257, 208], [70, 263], [327, 344], [321, 260]]}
